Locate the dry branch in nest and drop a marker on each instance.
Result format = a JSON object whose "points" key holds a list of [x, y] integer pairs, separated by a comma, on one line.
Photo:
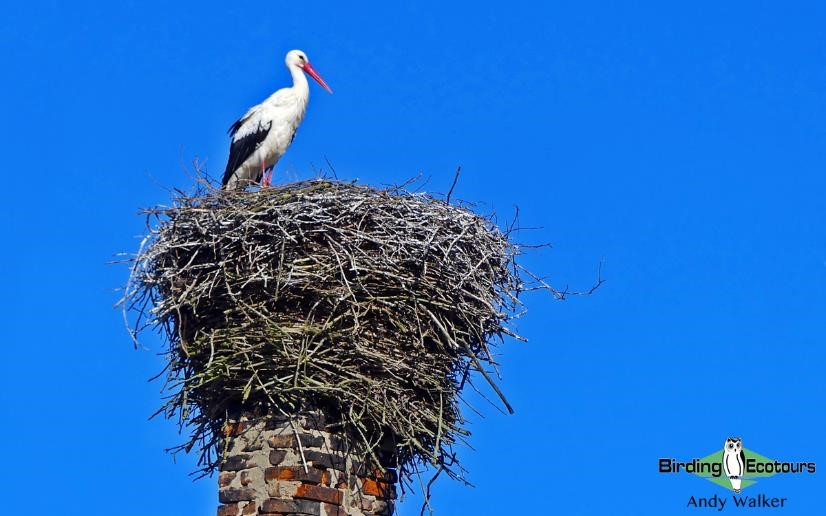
{"points": [[372, 305]]}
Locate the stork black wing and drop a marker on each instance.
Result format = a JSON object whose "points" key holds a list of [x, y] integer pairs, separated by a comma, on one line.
{"points": [[243, 147]]}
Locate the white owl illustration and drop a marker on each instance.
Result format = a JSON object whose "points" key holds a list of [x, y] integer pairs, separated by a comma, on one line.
{"points": [[734, 461]]}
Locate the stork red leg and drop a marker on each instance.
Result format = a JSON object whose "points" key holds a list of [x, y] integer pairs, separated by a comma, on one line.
{"points": [[267, 177]]}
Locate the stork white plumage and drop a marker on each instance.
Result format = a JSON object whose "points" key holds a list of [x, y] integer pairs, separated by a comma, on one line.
{"points": [[262, 135]]}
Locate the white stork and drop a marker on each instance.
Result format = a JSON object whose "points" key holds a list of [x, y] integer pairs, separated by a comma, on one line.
{"points": [[262, 135]]}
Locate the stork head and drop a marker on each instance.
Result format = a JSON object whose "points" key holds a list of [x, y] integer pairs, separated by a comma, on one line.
{"points": [[299, 59]]}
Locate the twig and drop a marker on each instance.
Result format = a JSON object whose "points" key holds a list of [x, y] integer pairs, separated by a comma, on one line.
{"points": [[453, 185]]}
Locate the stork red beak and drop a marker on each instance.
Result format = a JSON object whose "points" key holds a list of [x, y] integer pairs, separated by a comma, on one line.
{"points": [[312, 73]]}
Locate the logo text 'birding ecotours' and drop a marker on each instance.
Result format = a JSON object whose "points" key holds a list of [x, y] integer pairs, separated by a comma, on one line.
{"points": [[735, 468]]}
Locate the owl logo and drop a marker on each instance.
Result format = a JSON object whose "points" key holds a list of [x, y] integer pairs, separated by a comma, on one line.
{"points": [[734, 461]]}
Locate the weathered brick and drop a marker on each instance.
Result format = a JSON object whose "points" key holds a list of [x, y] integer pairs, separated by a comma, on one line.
{"points": [[284, 489], [382, 508], [377, 489], [234, 429], [236, 494], [277, 506], [314, 420], [312, 475], [389, 475], [287, 440], [237, 463], [228, 510], [277, 457], [333, 510], [325, 460], [361, 469], [225, 478], [254, 445], [337, 443], [319, 493], [276, 422], [290, 488]]}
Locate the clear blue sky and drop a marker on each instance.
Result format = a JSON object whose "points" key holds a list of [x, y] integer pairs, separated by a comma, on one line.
{"points": [[684, 146]]}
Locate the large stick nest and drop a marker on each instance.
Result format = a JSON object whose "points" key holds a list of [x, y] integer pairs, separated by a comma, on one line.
{"points": [[372, 305]]}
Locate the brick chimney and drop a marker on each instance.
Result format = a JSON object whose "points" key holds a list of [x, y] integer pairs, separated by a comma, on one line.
{"points": [[263, 471]]}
